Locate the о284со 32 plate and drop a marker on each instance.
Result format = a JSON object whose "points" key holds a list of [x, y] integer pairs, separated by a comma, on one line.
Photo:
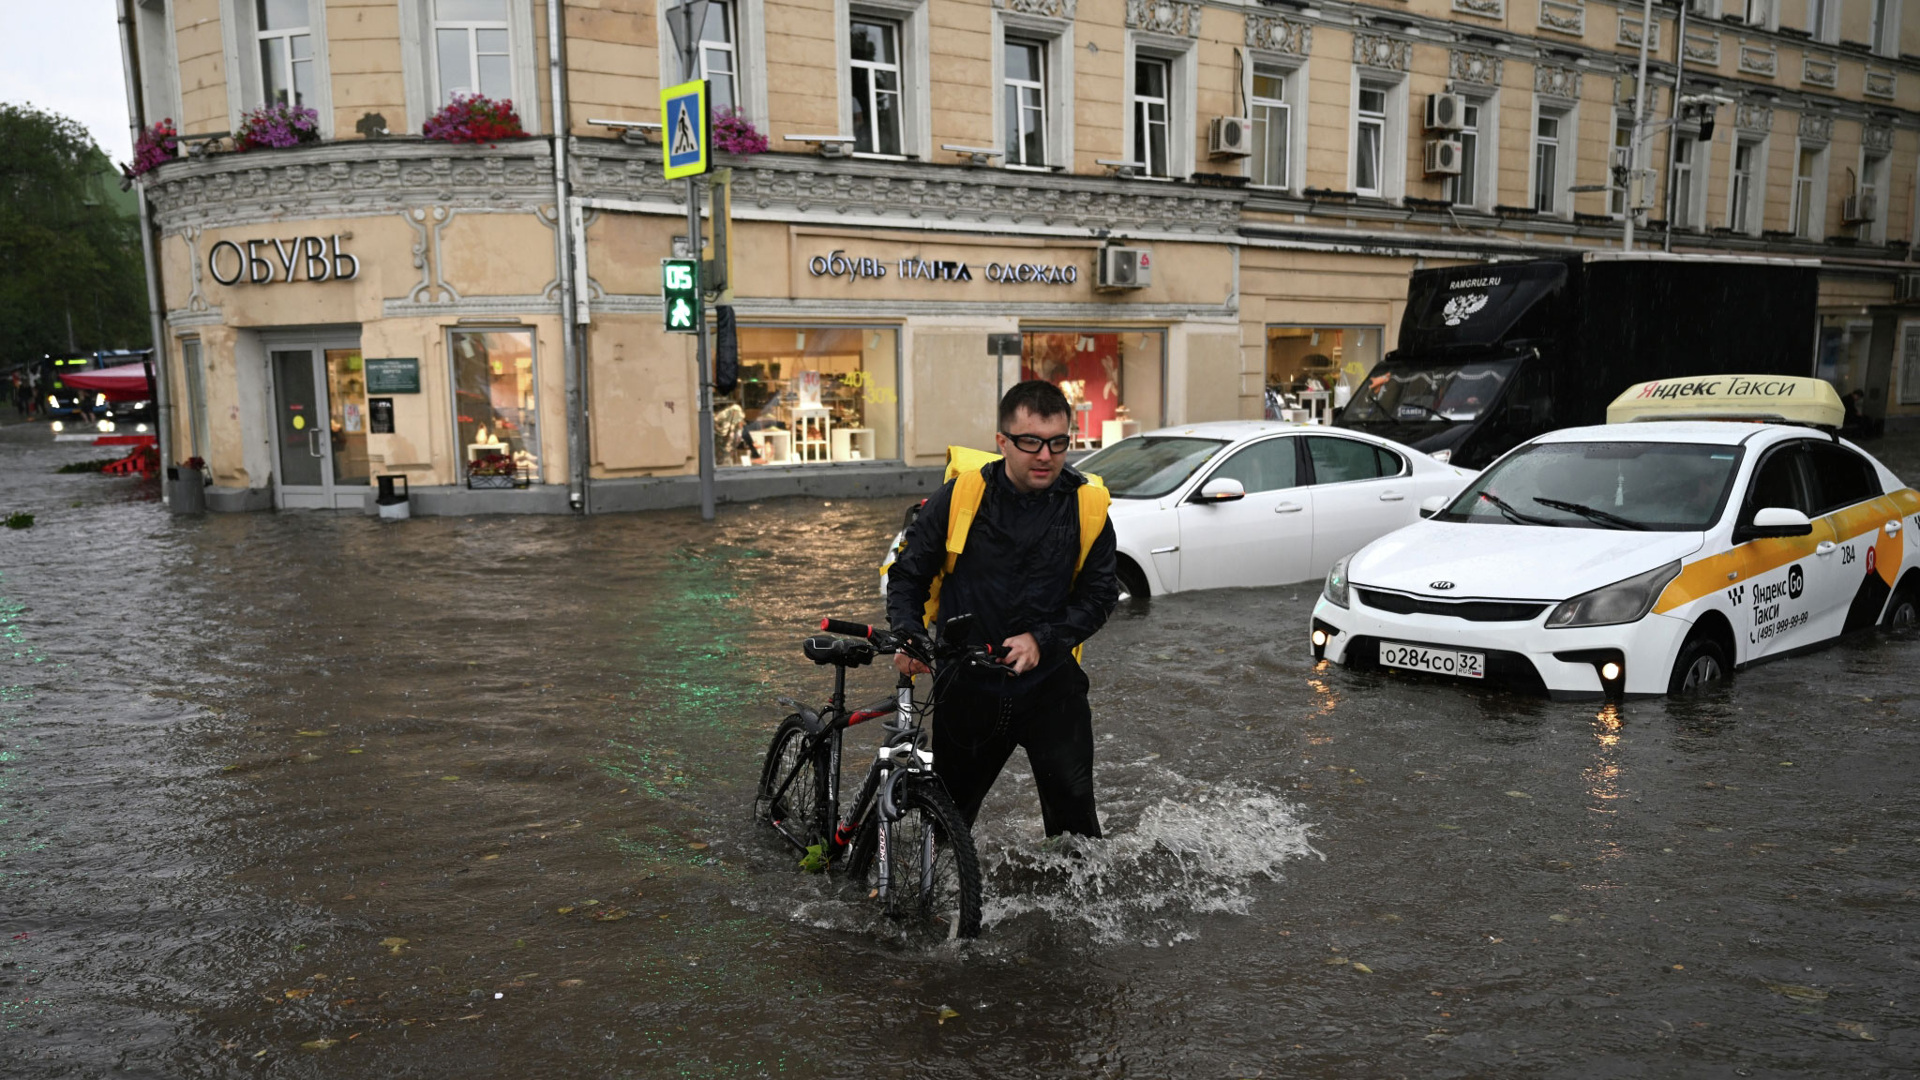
{"points": [[1468, 665]]}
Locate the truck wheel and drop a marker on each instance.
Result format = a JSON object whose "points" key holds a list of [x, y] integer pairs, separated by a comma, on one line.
{"points": [[1701, 663], [1902, 612]]}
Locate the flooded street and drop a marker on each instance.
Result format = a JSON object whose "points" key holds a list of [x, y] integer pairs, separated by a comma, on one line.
{"points": [[307, 794]]}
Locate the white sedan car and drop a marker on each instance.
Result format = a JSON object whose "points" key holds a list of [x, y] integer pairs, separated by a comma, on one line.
{"points": [[1251, 502]]}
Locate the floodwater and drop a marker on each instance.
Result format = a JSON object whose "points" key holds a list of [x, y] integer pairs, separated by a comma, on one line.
{"points": [[310, 795]]}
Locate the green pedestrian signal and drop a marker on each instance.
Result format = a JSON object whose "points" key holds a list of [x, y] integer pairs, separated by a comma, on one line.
{"points": [[680, 292]]}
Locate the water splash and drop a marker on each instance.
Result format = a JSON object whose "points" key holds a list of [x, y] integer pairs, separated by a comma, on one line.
{"points": [[1201, 851]]}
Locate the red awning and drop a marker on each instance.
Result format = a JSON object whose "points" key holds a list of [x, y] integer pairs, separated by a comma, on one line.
{"points": [[128, 382]]}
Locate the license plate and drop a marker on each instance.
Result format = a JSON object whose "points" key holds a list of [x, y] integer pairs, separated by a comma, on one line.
{"points": [[1468, 665]]}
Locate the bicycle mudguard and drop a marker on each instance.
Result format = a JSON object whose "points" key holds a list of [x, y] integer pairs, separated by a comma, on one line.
{"points": [[807, 716]]}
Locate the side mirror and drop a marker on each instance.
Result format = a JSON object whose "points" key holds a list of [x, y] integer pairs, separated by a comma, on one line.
{"points": [[1773, 522], [1433, 504], [1221, 489]]}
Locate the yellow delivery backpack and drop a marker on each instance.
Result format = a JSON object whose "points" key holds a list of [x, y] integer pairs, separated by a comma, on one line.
{"points": [[969, 487]]}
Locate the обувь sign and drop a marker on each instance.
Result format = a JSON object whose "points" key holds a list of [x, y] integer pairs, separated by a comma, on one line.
{"points": [[263, 262]]}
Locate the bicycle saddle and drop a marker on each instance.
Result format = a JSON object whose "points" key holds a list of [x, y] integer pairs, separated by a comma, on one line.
{"points": [[840, 651]]}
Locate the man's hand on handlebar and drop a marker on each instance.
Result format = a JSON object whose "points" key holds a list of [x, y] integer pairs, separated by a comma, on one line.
{"points": [[907, 665], [1023, 653]]}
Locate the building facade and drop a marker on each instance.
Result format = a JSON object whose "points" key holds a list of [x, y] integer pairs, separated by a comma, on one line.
{"points": [[947, 178]]}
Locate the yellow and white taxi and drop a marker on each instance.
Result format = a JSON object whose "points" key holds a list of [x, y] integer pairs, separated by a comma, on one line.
{"points": [[1712, 523]]}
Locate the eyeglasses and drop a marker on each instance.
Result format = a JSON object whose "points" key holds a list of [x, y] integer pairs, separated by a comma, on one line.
{"points": [[1031, 444]]}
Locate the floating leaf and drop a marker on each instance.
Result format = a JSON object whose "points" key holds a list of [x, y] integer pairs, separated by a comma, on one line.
{"points": [[311, 734], [488, 858], [470, 1016], [356, 750], [946, 1014], [1858, 1031], [317, 1044], [564, 911], [393, 944], [1334, 961], [571, 983], [1362, 969], [1561, 918], [1798, 993], [1449, 828], [1519, 795], [815, 860], [614, 915], [298, 994], [698, 846], [449, 778]]}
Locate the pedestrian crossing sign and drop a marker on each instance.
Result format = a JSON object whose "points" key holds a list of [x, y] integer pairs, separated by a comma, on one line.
{"points": [[685, 132]]}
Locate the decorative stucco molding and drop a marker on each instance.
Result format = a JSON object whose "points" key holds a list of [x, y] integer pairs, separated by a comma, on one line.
{"points": [[1052, 9], [1380, 51], [1816, 127], [1276, 34], [1176, 17], [1557, 82], [1486, 9], [1759, 59], [1753, 117], [1475, 68], [1876, 138], [1629, 33], [1821, 71], [1703, 48], [1563, 16], [1880, 84]]}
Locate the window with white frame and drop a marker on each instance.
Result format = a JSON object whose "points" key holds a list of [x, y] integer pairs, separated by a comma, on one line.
{"points": [[1743, 209], [1760, 13], [1684, 148], [1024, 86], [1808, 215], [286, 51], [472, 50], [1152, 114], [1272, 117], [1465, 188], [1616, 187], [875, 65], [1883, 26], [1872, 192], [719, 59], [1370, 140], [1820, 19], [1547, 165]]}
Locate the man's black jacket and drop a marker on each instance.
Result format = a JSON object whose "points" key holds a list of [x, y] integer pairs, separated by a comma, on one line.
{"points": [[1015, 575]]}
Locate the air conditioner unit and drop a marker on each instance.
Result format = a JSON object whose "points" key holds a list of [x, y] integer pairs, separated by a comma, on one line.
{"points": [[1909, 288], [1443, 157], [1446, 112], [1858, 209], [1125, 268], [1230, 136]]}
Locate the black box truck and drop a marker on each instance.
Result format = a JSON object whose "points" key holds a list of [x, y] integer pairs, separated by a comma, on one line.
{"points": [[1493, 354]]}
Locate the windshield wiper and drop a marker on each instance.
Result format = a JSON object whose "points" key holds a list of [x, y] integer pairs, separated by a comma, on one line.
{"points": [[1428, 409], [1513, 515], [1600, 517]]}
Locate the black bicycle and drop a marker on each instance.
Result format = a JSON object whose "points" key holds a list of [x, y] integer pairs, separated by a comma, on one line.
{"points": [[903, 838]]}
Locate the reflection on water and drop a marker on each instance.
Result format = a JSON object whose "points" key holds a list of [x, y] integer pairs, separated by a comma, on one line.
{"points": [[313, 795]]}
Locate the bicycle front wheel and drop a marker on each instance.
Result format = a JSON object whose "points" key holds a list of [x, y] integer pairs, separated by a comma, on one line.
{"points": [[923, 867], [793, 787]]}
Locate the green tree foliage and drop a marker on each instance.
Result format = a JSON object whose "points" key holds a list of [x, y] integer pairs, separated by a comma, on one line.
{"points": [[68, 247]]}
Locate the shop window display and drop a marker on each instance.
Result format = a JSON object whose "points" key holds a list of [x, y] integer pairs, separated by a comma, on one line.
{"points": [[495, 414], [811, 395], [1312, 370], [1113, 379]]}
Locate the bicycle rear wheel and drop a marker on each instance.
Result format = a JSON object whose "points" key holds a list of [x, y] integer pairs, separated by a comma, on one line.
{"points": [[793, 787], [933, 884]]}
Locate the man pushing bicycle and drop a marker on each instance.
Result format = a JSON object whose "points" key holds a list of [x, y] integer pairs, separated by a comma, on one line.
{"points": [[1024, 545]]}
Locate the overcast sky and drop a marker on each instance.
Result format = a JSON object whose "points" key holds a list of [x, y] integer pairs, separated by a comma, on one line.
{"points": [[64, 56]]}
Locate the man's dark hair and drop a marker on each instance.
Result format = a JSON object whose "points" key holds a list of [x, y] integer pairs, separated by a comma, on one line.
{"points": [[1037, 396]]}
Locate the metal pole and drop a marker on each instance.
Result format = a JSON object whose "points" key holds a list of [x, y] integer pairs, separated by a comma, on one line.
{"points": [[156, 304], [563, 229], [1639, 115], [689, 70], [1673, 120]]}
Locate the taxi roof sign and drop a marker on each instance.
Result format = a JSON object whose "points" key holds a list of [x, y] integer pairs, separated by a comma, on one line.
{"points": [[1768, 398]]}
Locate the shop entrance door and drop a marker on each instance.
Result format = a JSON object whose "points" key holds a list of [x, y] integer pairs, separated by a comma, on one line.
{"points": [[320, 429]]}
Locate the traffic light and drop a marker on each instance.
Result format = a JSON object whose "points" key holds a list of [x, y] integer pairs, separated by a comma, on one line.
{"points": [[680, 291]]}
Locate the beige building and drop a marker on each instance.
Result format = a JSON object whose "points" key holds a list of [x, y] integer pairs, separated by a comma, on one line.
{"points": [[945, 175]]}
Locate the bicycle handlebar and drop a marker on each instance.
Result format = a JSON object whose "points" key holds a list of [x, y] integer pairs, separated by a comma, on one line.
{"points": [[850, 629], [886, 641]]}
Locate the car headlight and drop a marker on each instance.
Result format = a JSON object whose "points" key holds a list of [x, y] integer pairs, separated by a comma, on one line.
{"points": [[1621, 602], [1336, 587]]}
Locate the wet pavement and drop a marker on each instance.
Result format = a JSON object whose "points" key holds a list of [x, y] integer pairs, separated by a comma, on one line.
{"points": [[314, 795]]}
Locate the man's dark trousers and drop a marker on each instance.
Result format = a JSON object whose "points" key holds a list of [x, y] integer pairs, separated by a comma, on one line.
{"points": [[974, 733]]}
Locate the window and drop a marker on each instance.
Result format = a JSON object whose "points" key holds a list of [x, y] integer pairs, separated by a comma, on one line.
{"points": [[1336, 460], [470, 49], [1780, 482], [1820, 18], [1880, 32], [1265, 466], [1842, 477], [1272, 127], [1546, 164], [810, 395], [1760, 13], [1369, 139], [876, 86], [495, 406], [1152, 100], [1465, 188], [1026, 102], [719, 60], [286, 52], [1742, 214], [1910, 367], [1683, 147], [1113, 379], [1808, 215], [1872, 192], [1301, 359], [1618, 185]]}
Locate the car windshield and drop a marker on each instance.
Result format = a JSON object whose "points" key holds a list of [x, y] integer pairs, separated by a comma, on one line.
{"points": [[1431, 393], [1148, 466], [1662, 487]]}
